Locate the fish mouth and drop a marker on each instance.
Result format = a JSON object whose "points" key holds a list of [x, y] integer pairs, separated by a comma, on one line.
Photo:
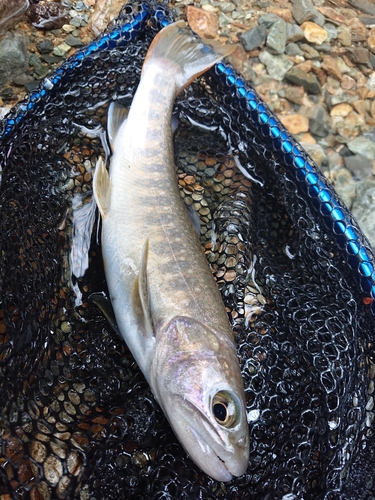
{"points": [[218, 467], [210, 441]]}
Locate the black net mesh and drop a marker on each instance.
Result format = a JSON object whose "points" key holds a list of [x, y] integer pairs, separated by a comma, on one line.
{"points": [[77, 418]]}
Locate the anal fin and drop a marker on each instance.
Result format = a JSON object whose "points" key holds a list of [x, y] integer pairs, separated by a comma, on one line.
{"points": [[102, 187]]}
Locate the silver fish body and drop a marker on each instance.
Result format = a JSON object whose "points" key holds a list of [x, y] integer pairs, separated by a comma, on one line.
{"points": [[167, 305]]}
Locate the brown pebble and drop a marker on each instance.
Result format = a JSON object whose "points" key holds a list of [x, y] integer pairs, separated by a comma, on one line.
{"points": [[53, 470], [230, 275], [74, 463], [348, 82], [189, 179], [210, 162], [331, 67], [38, 451], [203, 23], [231, 262]]}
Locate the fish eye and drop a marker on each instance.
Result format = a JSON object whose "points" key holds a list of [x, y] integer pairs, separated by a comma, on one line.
{"points": [[225, 409]]}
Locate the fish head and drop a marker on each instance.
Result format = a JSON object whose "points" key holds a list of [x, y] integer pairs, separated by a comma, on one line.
{"points": [[196, 379]]}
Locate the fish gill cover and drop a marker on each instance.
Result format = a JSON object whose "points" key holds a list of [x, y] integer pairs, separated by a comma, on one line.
{"points": [[296, 274]]}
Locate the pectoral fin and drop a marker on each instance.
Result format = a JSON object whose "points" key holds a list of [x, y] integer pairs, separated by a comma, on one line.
{"points": [[102, 186], [105, 306], [116, 116], [141, 295]]}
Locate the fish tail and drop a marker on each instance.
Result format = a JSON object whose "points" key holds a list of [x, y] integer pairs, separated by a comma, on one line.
{"points": [[189, 55]]}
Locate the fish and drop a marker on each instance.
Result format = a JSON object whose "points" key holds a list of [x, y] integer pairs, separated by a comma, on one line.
{"points": [[166, 303]]}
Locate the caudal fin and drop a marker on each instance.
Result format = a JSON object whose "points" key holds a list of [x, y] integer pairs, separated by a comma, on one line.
{"points": [[192, 56]]}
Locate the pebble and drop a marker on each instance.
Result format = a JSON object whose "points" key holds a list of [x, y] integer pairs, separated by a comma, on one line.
{"points": [[14, 56], [276, 39], [316, 152], [204, 23], [293, 49], [277, 65], [344, 36], [39, 69], [363, 207], [358, 30], [294, 94], [293, 33], [308, 81], [341, 110], [345, 186], [318, 120], [359, 165], [104, 12], [303, 10], [268, 20], [45, 46], [253, 38], [61, 50], [314, 33], [308, 51], [73, 41], [359, 55], [295, 123], [362, 145], [371, 40], [363, 5], [332, 14]]}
